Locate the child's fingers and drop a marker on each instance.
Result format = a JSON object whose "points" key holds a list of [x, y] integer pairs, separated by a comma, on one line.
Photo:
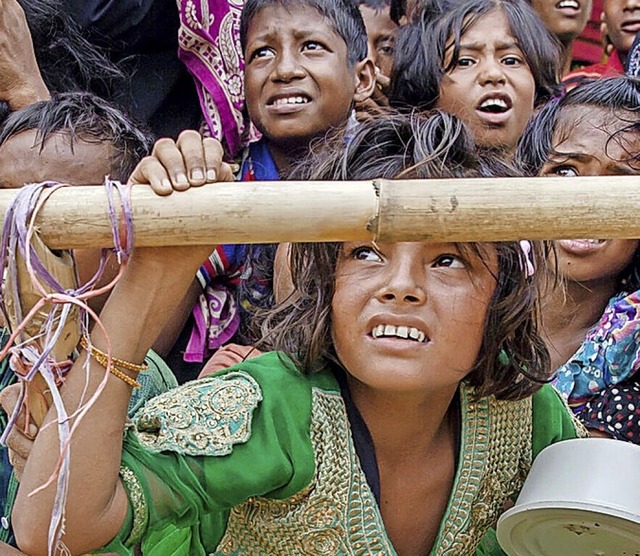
{"points": [[217, 169], [20, 446], [191, 145], [170, 155], [9, 398], [150, 171]]}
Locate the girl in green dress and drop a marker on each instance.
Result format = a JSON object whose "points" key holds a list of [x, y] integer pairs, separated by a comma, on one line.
{"points": [[402, 410]]}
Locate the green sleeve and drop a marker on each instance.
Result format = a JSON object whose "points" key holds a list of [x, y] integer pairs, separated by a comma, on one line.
{"points": [[553, 421], [198, 450]]}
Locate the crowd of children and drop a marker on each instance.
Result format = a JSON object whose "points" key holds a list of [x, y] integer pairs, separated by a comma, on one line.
{"points": [[356, 398]]}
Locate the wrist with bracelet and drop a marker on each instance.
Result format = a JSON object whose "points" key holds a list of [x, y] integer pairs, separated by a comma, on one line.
{"points": [[115, 366]]}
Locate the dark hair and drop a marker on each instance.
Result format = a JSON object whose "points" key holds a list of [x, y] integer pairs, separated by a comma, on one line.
{"points": [[343, 16], [83, 117], [67, 61], [374, 4], [513, 360], [620, 96], [421, 49], [397, 10]]}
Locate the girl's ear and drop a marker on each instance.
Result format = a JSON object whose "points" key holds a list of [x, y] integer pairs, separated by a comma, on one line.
{"points": [[365, 72]]}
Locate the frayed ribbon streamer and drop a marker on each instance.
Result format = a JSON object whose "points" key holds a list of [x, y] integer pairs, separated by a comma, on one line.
{"points": [[34, 354]]}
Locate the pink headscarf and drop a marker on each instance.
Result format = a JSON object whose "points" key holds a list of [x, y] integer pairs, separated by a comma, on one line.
{"points": [[209, 46]]}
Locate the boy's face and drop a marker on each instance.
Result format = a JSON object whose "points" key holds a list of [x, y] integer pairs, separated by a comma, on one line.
{"points": [[381, 35], [298, 82], [623, 22], [566, 18]]}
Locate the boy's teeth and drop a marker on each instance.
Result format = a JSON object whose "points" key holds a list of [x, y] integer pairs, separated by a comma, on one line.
{"points": [[404, 332], [290, 100]]}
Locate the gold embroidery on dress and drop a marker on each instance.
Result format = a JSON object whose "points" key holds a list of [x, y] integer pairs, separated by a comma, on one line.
{"points": [[495, 457], [335, 514], [201, 418], [138, 504]]}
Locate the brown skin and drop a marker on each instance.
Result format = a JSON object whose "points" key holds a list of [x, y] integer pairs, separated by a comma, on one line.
{"points": [[293, 52], [565, 24], [622, 21], [404, 388], [20, 81], [418, 406], [381, 34], [590, 272], [490, 63]]}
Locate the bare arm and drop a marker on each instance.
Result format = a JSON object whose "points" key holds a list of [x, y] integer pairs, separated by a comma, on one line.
{"points": [[134, 315], [21, 83]]}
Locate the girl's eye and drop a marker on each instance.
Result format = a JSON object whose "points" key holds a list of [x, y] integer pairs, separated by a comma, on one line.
{"points": [[365, 253], [465, 62], [262, 52], [449, 261], [386, 49], [511, 61], [565, 171]]}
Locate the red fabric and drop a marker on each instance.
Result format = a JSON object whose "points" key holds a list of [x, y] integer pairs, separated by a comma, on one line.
{"points": [[612, 68], [587, 49]]}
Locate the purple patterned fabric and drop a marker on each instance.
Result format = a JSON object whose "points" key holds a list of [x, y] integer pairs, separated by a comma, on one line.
{"points": [[209, 45]]}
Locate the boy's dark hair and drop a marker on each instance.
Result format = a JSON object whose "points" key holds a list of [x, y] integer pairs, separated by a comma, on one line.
{"points": [[513, 360], [83, 117], [619, 97], [421, 49], [343, 16]]}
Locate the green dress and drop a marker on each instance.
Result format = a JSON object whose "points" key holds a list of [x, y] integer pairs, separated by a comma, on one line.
{"points": [[260, 460]]}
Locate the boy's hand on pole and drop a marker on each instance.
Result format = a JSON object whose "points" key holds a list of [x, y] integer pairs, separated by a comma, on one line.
{"points": [[191, 161]]}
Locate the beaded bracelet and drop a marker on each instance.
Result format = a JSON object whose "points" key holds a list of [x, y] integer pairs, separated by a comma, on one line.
{"points": [[116, 364]]}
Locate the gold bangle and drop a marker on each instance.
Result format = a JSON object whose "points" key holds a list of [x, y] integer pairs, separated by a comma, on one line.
{"points": [[124, 377], [110, 363], [102, 358]]}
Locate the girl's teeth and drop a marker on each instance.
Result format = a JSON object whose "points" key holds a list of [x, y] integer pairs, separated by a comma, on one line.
{"points": [[404, 332]]}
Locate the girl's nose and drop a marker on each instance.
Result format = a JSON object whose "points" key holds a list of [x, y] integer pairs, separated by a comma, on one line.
{"points": [[404, 283], [491, 72]]}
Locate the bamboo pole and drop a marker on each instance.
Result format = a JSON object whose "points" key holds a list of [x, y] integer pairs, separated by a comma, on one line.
{"points": [[439, 210]]}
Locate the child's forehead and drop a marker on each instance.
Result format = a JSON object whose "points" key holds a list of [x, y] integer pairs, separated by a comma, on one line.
{"points": [[311, 19], [609, 134]]}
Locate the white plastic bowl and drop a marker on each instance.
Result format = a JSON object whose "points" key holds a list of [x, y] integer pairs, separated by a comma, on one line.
{"points": [[581, 498]]}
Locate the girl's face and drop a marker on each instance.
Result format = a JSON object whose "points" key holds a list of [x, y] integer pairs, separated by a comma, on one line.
{"points": [[491, 88], [585, 146], [410, 317]]}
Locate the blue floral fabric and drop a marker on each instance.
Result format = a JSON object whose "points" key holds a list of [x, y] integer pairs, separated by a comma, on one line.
{"points": [[609, 354]]}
